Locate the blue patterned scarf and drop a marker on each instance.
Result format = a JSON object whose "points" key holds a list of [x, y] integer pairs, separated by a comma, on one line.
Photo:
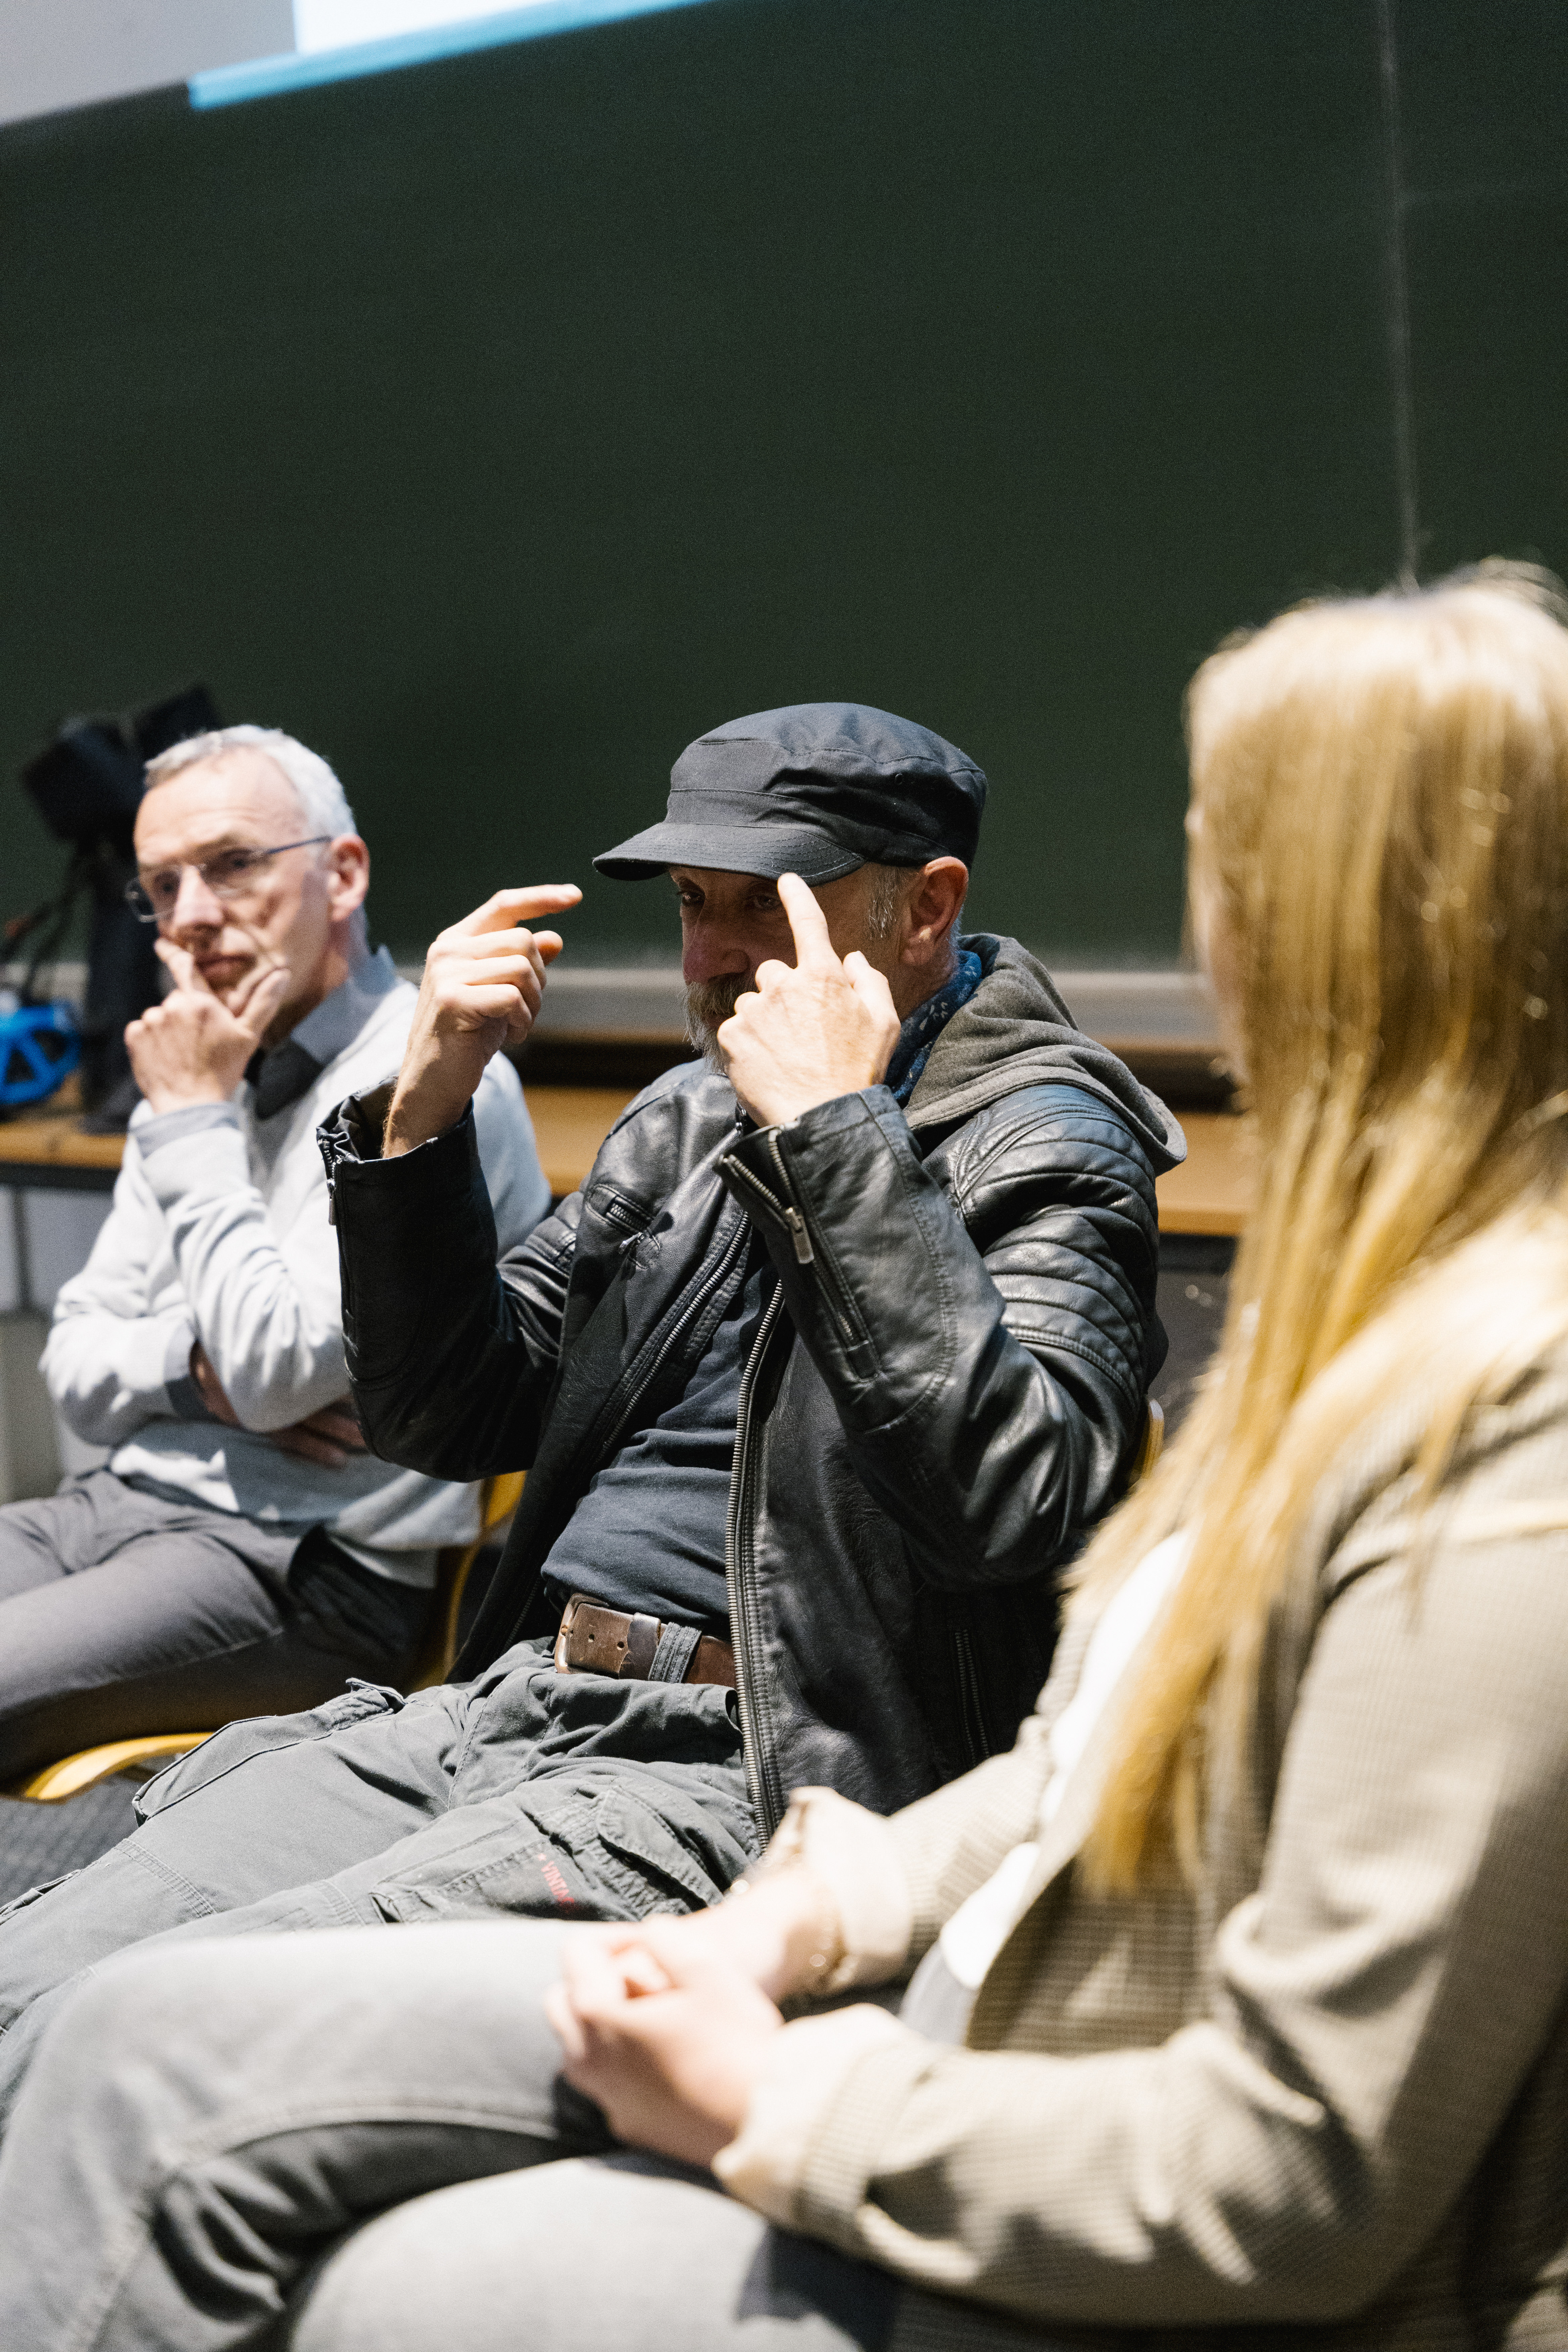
{"points": [[921, 1031]]}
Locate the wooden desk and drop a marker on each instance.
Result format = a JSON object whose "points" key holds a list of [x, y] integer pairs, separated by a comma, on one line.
{"points": [[1213, 1191], [569, 1124], [55, 1183], [1210, 1193], [47, 1152]]}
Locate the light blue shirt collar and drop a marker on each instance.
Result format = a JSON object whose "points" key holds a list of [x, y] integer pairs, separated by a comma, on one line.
{"points": [[331, 1029]]}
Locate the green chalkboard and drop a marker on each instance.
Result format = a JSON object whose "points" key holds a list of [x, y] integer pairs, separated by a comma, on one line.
{"points": [[498, 425]]}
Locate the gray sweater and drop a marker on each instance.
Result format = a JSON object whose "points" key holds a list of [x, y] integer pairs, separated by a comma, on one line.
{"points": [[220, 1232]]}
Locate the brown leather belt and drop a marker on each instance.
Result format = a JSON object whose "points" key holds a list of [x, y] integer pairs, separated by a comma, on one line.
{"points": [[596, 1641]]}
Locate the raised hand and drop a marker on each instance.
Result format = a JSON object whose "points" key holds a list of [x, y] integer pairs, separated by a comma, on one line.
{"points": [[193, 1048], [806, 1035], [484, 985]]}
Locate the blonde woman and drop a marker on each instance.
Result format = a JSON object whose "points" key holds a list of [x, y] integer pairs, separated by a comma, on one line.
{"points": [[1239, 1999]]}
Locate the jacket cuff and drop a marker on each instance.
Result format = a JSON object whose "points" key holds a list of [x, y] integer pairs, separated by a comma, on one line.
{"points": [[350, 1142], [852, 1855], [764, 1153], [353, 1131], [805, 1182], [414, 1232], [808, 2066]]}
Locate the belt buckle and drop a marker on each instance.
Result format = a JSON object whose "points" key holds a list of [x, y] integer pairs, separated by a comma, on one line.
{"points": [[589, 1640], [561, 1658]]}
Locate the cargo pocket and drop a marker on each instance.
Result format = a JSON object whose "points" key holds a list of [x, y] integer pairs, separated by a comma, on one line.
{"points": [[549, 1851], [258, 1735], [650, 1846], [500, 1856]]}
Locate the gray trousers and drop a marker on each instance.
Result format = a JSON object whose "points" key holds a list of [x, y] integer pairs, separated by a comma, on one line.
{"points": [[122, 1613], [344, 2143], [553, 1796]]}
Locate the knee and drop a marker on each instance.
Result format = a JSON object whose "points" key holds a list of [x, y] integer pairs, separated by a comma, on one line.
{"points": [[64, 2054], [146, 2030], [403, 2282]]}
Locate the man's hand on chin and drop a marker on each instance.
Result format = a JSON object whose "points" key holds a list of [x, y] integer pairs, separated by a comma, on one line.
{"points": [[806, 1035], [193, 1048], [484, 983]]}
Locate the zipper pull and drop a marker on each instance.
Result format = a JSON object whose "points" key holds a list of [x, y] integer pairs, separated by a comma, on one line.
{"points": [[795, 1223]]}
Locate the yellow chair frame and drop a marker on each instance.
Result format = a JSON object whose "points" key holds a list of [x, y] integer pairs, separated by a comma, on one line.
{"points": [[1152, 1444], [137, 1760]]}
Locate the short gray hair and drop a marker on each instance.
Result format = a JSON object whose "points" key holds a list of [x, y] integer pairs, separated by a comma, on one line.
{"points": [[323, 802]]}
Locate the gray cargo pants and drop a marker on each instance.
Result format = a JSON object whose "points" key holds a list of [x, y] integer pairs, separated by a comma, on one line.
{"points": [[553, 1796], [367, 2136]]}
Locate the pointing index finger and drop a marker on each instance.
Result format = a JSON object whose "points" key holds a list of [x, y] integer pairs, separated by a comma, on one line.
{"points": [[813, 948], [506, 911]]}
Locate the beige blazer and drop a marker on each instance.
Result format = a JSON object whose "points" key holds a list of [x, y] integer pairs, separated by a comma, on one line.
{"points": [[1325, 2103]]}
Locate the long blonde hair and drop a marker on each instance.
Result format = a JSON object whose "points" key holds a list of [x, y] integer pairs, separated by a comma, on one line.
{"points": [[1380, 857]]}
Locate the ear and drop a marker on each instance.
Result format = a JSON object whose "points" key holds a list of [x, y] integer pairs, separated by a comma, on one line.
{"points": [[932, 908], [348, 875]]}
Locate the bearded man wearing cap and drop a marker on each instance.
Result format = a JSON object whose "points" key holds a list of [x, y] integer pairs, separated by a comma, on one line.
{"points": [[819, 1382]]}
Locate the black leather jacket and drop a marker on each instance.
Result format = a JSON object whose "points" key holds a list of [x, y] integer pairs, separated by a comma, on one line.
{"points": [[946, 1392]]}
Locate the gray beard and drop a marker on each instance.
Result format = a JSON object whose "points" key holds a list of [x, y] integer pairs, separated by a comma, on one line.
{"points": [[708, 1004]]}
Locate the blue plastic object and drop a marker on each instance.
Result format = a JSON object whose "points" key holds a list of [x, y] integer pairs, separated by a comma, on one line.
{"points": [[40, 1045]]}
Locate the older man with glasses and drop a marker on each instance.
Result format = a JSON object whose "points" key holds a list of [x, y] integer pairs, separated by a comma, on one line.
{"points": [[242, 1552]]}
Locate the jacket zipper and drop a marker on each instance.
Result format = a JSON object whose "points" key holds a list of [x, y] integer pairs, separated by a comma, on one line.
{"points": [[764, 1784], [794, 1224], [787, 1213], [971, 1713], [799, 1236]]}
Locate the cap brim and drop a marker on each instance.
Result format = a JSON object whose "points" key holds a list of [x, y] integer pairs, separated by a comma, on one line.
{"points": [[769, 850]]}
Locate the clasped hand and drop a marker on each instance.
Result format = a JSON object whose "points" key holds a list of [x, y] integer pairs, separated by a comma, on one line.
{"points": [[807, 1033], [667, 2024]]}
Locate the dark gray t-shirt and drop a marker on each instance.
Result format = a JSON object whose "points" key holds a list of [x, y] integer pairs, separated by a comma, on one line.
{"points": [[648, 1535]]}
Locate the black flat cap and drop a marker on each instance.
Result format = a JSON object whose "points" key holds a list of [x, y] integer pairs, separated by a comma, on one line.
{"points": [[816, 789]]}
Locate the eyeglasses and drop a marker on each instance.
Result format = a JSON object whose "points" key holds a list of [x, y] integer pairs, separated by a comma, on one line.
{"points": [[228, 874]]}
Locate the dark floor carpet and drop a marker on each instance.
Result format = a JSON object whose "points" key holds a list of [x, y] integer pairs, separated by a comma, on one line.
{"points": [[39, 1843]]}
